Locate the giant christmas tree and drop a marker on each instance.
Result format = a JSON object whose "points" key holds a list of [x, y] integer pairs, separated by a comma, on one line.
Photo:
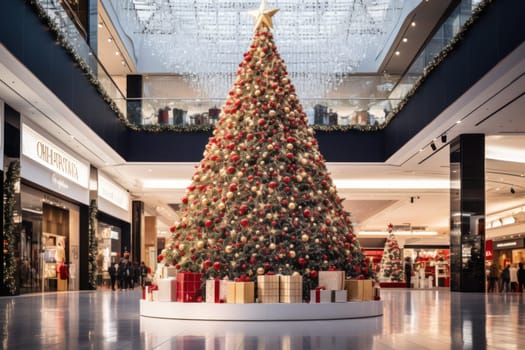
{"points": [[391, 267], [261, 200]]}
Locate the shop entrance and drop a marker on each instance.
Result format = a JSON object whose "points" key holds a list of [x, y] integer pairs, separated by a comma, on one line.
{"points": [[45, 241]]}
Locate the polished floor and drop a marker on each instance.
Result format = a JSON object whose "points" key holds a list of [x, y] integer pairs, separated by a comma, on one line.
{"points": [[413, 319]]}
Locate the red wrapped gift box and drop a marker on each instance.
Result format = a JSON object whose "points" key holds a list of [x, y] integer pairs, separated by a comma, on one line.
{"points": [[188, 286]]}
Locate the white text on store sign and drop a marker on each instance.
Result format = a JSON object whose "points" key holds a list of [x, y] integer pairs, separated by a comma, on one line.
{"points": [[46, 153], [112, 192]]}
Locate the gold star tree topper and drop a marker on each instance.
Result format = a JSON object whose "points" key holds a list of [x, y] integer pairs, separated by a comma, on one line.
{"points": [[263, 15]]}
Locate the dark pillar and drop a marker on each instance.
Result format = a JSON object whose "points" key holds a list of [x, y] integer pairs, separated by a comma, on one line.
{"points": [[83, 263], [137, 226], [134, 98], [467, 213]]}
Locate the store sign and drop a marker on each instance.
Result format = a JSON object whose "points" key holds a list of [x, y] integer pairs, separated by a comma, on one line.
{"points": [[516, 243], [114, 235], [489, 251], [112, 193], [49, 155]]}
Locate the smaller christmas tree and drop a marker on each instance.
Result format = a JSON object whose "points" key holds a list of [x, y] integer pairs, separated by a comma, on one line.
{"points": [[391, 267]]}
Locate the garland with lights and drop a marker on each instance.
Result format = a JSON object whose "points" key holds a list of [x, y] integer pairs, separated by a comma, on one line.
{"points": [[10, 239], [92, 249], [62, 41]]}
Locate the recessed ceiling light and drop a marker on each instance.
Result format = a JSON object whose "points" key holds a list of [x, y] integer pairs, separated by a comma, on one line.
{"points": [[413, 24], [110, 40], [459, 121], [100, 25], [405, 40], [117, 53], [398, 53]]}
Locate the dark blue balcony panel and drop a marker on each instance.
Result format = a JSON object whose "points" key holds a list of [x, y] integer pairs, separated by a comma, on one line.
{"points": [[494, 35]]}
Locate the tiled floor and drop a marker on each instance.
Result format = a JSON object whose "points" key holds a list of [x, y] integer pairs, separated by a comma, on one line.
{"points": [[416, 319]]}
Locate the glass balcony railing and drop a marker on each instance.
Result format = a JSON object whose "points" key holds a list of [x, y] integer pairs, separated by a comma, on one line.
{"points": [[173, 113], [74, 41], [191, 112]]}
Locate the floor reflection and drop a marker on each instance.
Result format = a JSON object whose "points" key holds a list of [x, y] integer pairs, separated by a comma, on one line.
{"points": [[340, 334], [412, 319]]}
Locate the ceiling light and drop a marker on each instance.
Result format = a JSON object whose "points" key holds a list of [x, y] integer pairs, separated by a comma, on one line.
{"points": [[100, 25], [507, 154], [117, 53], [459, 121], [392, 184], [405, 40], [110, 40], [167, 24], [413, 24], [398, 53]]}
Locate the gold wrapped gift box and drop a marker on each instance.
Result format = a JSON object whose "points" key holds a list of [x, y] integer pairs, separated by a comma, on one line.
{"points": [[359, 290]]}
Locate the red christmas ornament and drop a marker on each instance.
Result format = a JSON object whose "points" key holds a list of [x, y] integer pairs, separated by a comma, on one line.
{"points": [[217, 265], [313, 274]]}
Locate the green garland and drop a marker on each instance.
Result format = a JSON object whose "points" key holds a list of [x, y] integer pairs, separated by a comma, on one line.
{"points": [[93, 245], [62, 41], [10, 239]]}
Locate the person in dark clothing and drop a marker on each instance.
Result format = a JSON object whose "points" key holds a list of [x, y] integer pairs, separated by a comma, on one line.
{"points": [[112, 275], [521, 277], [505, 279], [122, 275], [143, 273], [408, 271]]}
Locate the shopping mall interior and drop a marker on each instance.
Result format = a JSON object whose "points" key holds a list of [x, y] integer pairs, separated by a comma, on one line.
{"points": [[107, 106]]}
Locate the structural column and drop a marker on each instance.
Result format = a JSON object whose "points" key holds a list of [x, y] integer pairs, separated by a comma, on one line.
{"points": [[137, 229], [467, 213]]}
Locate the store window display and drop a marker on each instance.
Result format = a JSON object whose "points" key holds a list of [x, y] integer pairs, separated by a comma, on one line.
{"points": [[108, 240], [430, 267]]}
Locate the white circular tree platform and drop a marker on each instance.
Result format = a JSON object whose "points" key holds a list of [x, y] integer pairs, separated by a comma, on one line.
{"points": [[260, 312]]}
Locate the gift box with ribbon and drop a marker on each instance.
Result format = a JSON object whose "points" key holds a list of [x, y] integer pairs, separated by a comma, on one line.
{"points": [[291, 289], [167, 289], [315, 294], [216, 290], [359, 290], [189, 287], [332, 280], [244, 292], [268, 289]]}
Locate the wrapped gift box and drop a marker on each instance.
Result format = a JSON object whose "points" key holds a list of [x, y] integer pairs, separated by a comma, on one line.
{"points": [[332, 280], [216, 291], [315, 295], [167, 289], [230, 292], [334, 296], [188, 286], [268, 289], [168, 271], [147, 292], [359, 290], [291, 289], [244, 292]]}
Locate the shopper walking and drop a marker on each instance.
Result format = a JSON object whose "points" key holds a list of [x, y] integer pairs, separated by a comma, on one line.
{"points": [[521, 277], [513, 271], [505, 279], [112, 274], [408, 271], [493, 278], [143, 273]]}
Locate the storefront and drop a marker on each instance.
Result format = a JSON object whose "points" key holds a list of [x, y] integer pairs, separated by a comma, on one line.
{"points": [[54, 186], [510, 251], [431, 265], [113, 227]]}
